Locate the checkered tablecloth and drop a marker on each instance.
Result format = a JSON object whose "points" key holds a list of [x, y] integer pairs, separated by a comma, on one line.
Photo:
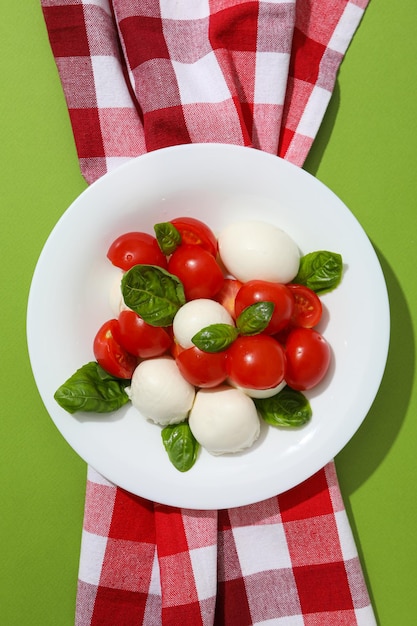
{"points": [[139, 75]]}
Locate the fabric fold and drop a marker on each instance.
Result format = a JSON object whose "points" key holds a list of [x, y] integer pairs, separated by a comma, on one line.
{"points": [[139, 75]]}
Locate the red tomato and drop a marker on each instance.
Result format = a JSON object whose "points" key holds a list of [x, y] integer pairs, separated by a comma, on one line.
{"points": [[202, 369], [136, 248], [140, 338], [308, 358], [263, 291], [198, 271], [227, 294], [256, 362], [175, 349], [307, 306], [110, 355], [197, 233]]}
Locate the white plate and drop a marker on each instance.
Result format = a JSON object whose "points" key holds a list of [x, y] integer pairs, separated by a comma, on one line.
{"points": [[69, 300]]}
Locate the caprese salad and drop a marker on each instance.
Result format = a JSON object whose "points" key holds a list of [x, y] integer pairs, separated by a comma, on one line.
{"points": [[210, 334]]}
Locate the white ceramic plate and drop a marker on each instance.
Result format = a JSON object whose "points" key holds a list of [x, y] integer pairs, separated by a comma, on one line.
{"points": [[69, 300]]}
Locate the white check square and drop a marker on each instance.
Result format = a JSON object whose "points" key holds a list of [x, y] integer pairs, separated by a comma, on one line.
{"points": [[261, 548], [204, 563], [347, 542], [271, 77], [311, 120], [103, 4], [184, 10], [110, 86], [347, 24], [93, 548], [292, 620], [202, 81]]}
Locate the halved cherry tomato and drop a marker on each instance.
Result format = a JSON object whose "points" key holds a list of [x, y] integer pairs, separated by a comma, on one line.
{"points": [[110, 355], [139, 337], [198, 271], [227, 294], [136, 248], [263, 291], [196, 233], [202, 369], [307, 306], [256, 362], [308, 358]]}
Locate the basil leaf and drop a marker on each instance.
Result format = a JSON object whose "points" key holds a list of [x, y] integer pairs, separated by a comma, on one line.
{"points": [[153, 293], [215, 338], [255, 318], [321, 271], [287, 409], [181, 445], [93, 390], [168, 237]]}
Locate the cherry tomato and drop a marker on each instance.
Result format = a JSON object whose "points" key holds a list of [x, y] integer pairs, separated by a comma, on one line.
{"points": [[227, 294], [202, 369], [308, 358], [264, 291], [136, 248], [196, 233], [140, 338], [110, 355], [307, 306], [198, 271], [256, 362]]}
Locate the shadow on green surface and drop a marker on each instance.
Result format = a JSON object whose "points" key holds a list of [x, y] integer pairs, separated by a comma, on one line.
{"points": [[369, 446], [372, 442], [322, 138], [367, 449]]}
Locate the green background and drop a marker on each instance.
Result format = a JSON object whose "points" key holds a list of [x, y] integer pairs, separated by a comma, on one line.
{"points": [[366, 153]]}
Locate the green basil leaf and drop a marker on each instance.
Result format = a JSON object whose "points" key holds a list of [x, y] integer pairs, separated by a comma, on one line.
{"points": [[321, 271], [215, 338], [93, 390], [155, 294], [255, 318], [168, 237], [181, 445], [287, 409]]}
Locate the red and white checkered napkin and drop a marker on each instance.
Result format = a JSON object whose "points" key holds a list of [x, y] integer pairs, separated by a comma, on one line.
{"points": [[145, 74]]}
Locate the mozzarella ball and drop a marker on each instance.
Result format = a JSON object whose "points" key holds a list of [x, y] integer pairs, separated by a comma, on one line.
{"points": [[159, 391], [195, 315], [257, 250], [224, 420], [260, 393]]}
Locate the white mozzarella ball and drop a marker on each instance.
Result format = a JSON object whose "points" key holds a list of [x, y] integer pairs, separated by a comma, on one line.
{"points": [[260, 393], [224, 420], [257, 250], [195, 315], [159, 391]]}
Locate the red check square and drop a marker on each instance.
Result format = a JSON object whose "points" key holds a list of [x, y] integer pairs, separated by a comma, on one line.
{"points": [[126, 524], [116, 606], [67, 31], [235, 28], [232, 608], [305, 62], [167, 128], [170, 533], [309, 499], [87, 131], [144, 39], [323, 588]]}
